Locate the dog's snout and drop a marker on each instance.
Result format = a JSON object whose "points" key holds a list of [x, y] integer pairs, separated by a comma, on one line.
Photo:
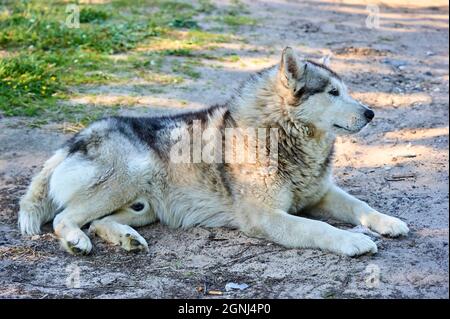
{"points": [[369, 114]]}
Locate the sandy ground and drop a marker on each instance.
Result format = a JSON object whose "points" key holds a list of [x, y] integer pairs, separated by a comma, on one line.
{"points": [[398, 164]]}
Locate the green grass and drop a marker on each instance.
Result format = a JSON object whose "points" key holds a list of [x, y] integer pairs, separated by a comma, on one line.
{"points": [[42, 58], [178, 52], [30, 24], [186, 68], [88, 15], [24, 80], [238, 20], [47, 57], [232, 58], [236, 15], [206, 6]]}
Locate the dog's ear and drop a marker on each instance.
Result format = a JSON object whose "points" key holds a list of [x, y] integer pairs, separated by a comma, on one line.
{"points": [[291, 69]]}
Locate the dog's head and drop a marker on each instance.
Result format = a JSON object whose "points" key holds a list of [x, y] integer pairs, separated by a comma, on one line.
{"points": [[312, 93]]}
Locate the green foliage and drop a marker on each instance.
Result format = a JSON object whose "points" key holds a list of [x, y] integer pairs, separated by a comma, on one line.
{"points": [[47, 34], [88, 15], [24, 80], [182, 22], [43, 57]]}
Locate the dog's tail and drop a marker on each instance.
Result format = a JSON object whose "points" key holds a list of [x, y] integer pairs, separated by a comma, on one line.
{"points": [[36, 207]]}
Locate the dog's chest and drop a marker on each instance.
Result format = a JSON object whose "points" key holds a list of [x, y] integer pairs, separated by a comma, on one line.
{"points": [[307, 171], [309, 195]]}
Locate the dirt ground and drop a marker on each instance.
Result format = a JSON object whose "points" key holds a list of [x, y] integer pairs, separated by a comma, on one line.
{"points": [[398, 164]]}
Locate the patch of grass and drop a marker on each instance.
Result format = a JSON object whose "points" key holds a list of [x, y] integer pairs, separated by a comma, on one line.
{"points": [[161, 79], [185, 67], [238, 20], [182, 22], [74, 116], [46, 57], [25, 80], [206, 6], [235, 15], [88, 15], [177, 43], [146, 61], [178, 52], [233, 58], [199, 37], [237, 7], [31, 81], [174, 6], [44, 28], [81, 67], [173, 14]]}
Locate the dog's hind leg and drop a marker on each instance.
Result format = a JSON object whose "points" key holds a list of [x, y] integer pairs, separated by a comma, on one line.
{"points": [[115, 228], [345, 207], [77, 213]]}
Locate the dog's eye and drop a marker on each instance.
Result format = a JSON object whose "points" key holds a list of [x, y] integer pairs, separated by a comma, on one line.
{"points": [[137, 207], [334, 92]]}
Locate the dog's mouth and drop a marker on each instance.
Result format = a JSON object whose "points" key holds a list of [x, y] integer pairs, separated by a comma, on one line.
{"points": [[342, 128]]}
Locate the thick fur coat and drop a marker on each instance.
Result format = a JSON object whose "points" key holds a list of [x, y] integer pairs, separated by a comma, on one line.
{"points": [[121, 171]]}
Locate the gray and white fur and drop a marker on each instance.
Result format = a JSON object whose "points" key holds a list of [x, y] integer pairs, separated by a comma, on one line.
{"points": [[116, 174]]}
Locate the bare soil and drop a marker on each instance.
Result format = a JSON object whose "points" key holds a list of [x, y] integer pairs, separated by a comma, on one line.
{"points": [[398, 164]]}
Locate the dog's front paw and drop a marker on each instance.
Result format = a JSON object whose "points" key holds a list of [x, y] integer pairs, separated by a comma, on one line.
{"points": [[387, 225], [354, 244], [77, 243]]}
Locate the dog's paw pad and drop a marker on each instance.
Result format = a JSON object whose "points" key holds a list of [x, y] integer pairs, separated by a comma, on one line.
{"points": [[134, 242]]}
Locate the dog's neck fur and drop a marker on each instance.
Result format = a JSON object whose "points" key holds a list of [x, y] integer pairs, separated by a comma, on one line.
{"points": [[302, 147]]}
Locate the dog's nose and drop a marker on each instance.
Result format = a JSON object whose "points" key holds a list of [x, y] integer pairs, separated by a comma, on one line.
{"points": [[369, 114]]}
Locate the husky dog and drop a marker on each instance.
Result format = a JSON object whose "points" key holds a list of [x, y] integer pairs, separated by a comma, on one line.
{"points": [[118, 174]]}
